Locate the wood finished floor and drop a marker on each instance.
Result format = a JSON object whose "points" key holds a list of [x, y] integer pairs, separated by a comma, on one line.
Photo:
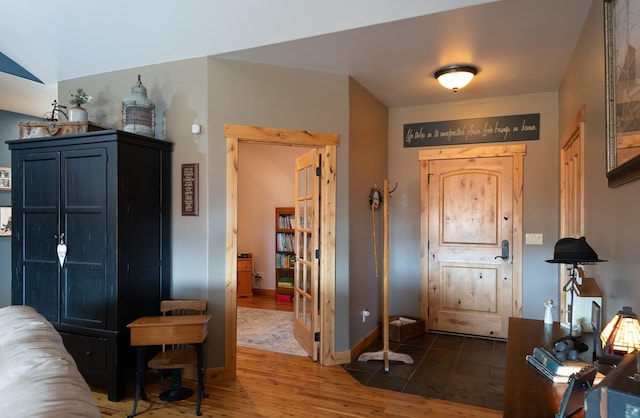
{"points": [[279, 385]]}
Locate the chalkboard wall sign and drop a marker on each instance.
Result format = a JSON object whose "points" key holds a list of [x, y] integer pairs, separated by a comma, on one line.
{"points": [[473, 131], [190, 203]]}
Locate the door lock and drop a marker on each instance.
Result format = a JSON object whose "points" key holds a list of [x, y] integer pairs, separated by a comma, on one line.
{"points": [[505, 251]]}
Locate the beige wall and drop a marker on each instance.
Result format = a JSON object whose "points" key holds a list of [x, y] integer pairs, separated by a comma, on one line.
{"points": [[213, 92], [266, 180], [611, 215], [178, 90], [265, 95], [540, 197]]}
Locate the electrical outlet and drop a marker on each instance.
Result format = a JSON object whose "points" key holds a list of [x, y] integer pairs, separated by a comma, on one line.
{"points": [[365, 315]]}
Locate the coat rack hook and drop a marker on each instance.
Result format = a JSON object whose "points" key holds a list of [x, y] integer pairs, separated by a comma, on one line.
{"points": [[394, 188]]}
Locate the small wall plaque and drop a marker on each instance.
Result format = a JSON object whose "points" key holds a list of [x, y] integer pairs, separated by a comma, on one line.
{"points": [[190, 189]]}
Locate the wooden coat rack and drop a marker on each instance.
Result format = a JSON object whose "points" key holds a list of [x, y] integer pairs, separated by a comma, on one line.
{"points": [[385, 354]]}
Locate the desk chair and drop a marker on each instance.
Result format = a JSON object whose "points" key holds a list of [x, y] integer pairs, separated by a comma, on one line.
{"points": [[178, 357]]}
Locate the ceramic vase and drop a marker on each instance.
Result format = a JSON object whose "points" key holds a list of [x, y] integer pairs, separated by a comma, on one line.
{"points": [[78, 114]]}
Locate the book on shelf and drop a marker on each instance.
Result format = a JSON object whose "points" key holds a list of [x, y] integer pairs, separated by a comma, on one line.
{"points": [[285, 241], [285, 285], [285, 221], [283, 261], [558, 367]]}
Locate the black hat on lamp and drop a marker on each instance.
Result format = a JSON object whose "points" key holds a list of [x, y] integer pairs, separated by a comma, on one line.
{"points": [[573, 251]]}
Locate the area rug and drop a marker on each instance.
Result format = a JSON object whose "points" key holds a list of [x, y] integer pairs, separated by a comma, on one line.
{"points": [[267, 330]]}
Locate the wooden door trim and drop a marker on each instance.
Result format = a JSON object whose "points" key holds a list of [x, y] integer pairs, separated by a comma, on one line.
{"points": [[517, 152], [574, 133], [326, 144]]}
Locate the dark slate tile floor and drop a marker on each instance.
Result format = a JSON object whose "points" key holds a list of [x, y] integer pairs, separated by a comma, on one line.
{"points": [[457, 368]]}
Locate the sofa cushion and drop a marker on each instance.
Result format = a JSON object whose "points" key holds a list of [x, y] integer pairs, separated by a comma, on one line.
{"points": [[38, 377]]}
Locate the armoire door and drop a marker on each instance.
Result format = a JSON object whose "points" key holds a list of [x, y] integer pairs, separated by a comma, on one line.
{"points": [[61, 199], [83, 208], [36, 202]]}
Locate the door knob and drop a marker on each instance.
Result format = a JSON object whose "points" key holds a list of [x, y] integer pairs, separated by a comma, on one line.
{"points": [[505, 251]]}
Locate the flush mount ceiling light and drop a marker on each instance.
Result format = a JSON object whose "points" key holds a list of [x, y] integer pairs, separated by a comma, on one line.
{"points": [[455, 77]]}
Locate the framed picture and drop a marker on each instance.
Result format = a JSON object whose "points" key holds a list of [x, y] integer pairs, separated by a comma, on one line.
{"points": [[5, 178], [5, 221], [622, 51]]}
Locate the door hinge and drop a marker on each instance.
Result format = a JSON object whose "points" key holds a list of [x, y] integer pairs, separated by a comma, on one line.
{"points": [[317, 254], [318, 172], [316, 337]]}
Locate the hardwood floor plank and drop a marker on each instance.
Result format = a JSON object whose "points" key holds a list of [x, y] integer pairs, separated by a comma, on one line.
{"points": [[279, 385]]}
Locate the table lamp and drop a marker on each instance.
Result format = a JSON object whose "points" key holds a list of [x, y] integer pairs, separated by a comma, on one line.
{"points": [[622, 333], [573, 252]]}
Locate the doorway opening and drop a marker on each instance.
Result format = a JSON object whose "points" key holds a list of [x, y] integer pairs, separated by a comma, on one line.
{"points": [[326, 144], [266, 184]]}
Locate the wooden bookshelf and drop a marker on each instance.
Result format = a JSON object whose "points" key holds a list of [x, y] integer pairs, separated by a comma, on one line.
{"points": [[284, 253]]}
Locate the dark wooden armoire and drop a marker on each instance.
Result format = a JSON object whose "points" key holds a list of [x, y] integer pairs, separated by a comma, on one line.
{"points": [[106, 195]]}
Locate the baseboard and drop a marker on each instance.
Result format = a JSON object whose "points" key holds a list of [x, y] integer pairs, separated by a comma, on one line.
{"points": [[214, 374], [265, 292], [341, 357], [364, 343]]}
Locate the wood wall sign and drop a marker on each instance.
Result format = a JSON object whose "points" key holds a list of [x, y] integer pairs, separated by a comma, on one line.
{"points": [[472, 131], [190, 189]]}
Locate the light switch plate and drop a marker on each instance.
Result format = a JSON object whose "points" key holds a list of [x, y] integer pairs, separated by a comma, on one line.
{"points": [[533, 239]]}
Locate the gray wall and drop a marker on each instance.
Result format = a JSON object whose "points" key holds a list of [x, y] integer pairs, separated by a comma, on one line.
{"points": [[8, 130], [540, 205], [611, 215], [368, 126]]}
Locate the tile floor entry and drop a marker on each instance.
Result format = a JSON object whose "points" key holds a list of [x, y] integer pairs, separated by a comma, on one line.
{"points": [[457, 368]]}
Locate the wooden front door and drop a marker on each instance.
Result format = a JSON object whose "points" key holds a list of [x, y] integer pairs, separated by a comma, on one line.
{"points": [[472, 220], [306, 271]]}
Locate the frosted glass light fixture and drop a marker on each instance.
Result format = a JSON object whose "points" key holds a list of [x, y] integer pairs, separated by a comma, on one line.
{"points": [[455, 77]]}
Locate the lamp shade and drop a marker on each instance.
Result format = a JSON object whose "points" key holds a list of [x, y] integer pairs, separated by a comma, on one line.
{"points": [[455, 77], [574, 251], [622, 333]]}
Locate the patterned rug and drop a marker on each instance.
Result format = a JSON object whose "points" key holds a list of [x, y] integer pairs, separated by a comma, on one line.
{"points": [[267, 330]]}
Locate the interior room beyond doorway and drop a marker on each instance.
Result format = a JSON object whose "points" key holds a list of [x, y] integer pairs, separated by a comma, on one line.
{"points": [[265, 182]]}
